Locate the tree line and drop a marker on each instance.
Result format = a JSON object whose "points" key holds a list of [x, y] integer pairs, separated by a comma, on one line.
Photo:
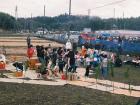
{"points": [[65, 22], [7, 22]]}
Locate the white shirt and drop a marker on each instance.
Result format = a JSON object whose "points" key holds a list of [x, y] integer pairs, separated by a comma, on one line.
{"points": [[104, 62], [95, 59], [88, 61], [68, 45]]}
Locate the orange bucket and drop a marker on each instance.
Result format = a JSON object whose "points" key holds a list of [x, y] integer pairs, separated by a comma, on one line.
{"points": [[32, 62], [18, 74]]}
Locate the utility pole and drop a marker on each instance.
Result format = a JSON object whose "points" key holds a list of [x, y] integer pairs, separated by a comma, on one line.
{"points": [[69, 7], [16, 17], [123, 22], [69, 17], [44, 10], [44, 19], [89, 11], [114, 12], [16, 12], [115, 20]]}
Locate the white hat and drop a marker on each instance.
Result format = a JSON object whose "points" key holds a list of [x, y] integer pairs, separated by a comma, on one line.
{"points": [[68, 45]]}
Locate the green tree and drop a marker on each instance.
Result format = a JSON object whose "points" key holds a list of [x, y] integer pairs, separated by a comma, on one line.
{"points": [[7, 22]]}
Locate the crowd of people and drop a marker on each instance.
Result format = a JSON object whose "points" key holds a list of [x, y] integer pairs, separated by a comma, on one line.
{"points": [[66, 59]]}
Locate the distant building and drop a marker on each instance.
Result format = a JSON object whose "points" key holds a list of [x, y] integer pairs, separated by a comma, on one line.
{"points": [[87, 30], [40, 31]]}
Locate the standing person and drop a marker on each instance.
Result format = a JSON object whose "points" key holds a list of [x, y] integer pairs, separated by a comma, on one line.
{"points": [[28, 41], [95, 60], [50, 51], [104, 66], [83, 51], [61, 64], [112, 55], [60, 51], [38, 51], [41, 54], [68, 45], [71, 61], [30, 51], [46, 54], [87, 65], [54, 58], [77, 60]]}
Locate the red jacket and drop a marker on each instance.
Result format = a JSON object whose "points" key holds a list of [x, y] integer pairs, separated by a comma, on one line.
{"points": [[30, 52]]}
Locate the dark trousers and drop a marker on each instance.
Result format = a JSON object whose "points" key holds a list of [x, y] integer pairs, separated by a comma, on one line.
{"points": [[87, 71], [71, 68], [61, 66], [28, 44]]}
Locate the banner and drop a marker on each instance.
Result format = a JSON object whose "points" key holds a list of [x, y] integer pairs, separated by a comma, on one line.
{"points": [[87, 37]]}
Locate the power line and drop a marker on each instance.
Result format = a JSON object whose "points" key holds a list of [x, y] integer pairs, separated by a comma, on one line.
{"points": [[108, 4], [112, 3]]}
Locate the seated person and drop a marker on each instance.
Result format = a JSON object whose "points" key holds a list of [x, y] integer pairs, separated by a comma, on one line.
{"points": [[18, 65], [2, 58]]}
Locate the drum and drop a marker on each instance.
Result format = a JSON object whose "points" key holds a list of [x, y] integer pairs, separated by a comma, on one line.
{"points": [[32, 62]]}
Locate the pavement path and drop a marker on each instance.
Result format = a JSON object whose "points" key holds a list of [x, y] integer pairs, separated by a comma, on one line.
{"points": [[103, 85], [81, 72]]}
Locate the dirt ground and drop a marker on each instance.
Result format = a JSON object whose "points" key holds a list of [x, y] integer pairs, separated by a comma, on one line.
{"points": [[17, 41], [17, 46]]}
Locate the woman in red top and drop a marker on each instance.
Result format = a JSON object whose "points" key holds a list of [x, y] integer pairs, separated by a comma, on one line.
{"points": [[83, 51], [30, 51]]}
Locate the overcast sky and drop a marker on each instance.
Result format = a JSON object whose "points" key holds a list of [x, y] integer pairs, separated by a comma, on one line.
{"points": [[131, 8]]}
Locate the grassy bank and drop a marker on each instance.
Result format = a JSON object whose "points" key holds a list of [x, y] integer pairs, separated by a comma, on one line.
{"points": [[25, 94], [119, 75]]}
